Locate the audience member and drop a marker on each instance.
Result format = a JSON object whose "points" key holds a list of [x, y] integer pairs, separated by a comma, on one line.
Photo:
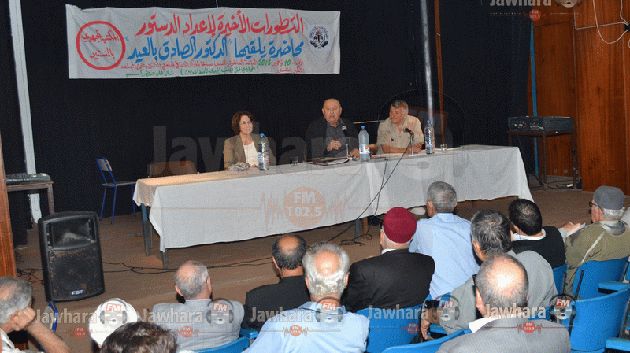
{"points": [[329, 136], [606, 238], [395, 279], [490, 232], [243, 146], [393, 133], [501, 298], [322, 324], [140, 337], [446, 238], [265, 302], [109, 316], [529, 233], [17, 315], [199, 322]]}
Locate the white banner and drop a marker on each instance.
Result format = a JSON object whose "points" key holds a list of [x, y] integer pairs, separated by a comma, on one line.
{"points": [[160, 42]]}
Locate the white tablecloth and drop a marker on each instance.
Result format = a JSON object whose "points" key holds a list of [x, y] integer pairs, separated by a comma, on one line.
{"points": [[187, 210]]}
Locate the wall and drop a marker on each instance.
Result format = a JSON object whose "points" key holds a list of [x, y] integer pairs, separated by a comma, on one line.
{"points": [[581, 76], [74, 121]]}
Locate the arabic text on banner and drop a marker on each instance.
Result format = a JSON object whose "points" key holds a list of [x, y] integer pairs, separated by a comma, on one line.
{"points": [[160, 42]]}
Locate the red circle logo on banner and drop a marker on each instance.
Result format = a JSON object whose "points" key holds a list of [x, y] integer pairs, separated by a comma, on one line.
{"points": [[100, 45]]}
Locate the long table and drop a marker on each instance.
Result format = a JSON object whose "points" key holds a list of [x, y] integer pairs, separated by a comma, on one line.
{"points": [[225, 206]]}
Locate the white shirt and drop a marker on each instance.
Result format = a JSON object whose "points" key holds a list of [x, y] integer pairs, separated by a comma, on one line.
{"points": [[516, 236], [251, 155]]}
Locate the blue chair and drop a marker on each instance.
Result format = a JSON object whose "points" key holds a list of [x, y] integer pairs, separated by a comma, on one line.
{"points": [[558, 277], [236, 346], [621, 343], [250, 333], [425, 347], [110, 182], [617, 285], [590, 274], [618, 343], [391, 327], [597, 319]]}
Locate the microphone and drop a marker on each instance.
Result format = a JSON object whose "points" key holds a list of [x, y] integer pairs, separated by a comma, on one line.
{"points": [[343, 128], [409, 131]]}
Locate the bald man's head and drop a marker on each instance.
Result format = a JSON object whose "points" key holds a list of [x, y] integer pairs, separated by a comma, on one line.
{"points": [[192, 280], [288, 251], [326, 268], [501, 283]]}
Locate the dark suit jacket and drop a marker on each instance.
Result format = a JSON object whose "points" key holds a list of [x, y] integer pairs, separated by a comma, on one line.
{"points": [[233, 151], [396, 277], [512, 335], [265, 302], [316, 137], [551, 247]]}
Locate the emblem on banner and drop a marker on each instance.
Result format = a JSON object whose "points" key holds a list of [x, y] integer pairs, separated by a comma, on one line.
{"points": [[318, 37]]}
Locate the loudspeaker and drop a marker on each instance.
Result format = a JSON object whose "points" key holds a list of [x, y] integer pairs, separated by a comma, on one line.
{"points": [[71, 256]]}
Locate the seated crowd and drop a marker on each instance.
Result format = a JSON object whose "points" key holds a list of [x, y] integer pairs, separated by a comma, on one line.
{"points": [[493, 268]]}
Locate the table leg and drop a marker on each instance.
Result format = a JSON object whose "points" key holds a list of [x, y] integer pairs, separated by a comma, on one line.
{"points": [[146, 230], [543, 160], [574, 160], [164, 259], [357, 228], [51, 199]]}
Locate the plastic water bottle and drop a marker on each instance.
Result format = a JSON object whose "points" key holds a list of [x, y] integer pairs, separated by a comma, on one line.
{"points": [[263, 153], [364, 142], [429, 137]]}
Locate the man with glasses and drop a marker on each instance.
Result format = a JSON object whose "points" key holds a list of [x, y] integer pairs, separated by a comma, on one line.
{"points": [[605, 239], [501, 298], [400, 132], [16, 314], [490, 232]]}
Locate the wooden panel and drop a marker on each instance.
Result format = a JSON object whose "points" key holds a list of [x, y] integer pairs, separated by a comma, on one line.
{"points": [[626, 75], [555, 82], [600, 110], [7, 260], [607, 12], [553, 14]]}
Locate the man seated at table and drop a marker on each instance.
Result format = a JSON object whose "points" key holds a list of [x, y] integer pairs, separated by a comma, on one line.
{"points": [[529, 233], [329, 136], [266, 301], [322, 324], [396, 278], [400, 132], [199, 322]]}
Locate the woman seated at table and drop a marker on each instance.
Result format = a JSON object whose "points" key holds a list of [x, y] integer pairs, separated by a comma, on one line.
{"points": [[244, 146]]}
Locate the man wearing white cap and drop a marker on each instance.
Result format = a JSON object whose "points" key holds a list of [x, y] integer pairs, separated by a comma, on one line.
{"points": [[607, 238], [108, 317]]}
